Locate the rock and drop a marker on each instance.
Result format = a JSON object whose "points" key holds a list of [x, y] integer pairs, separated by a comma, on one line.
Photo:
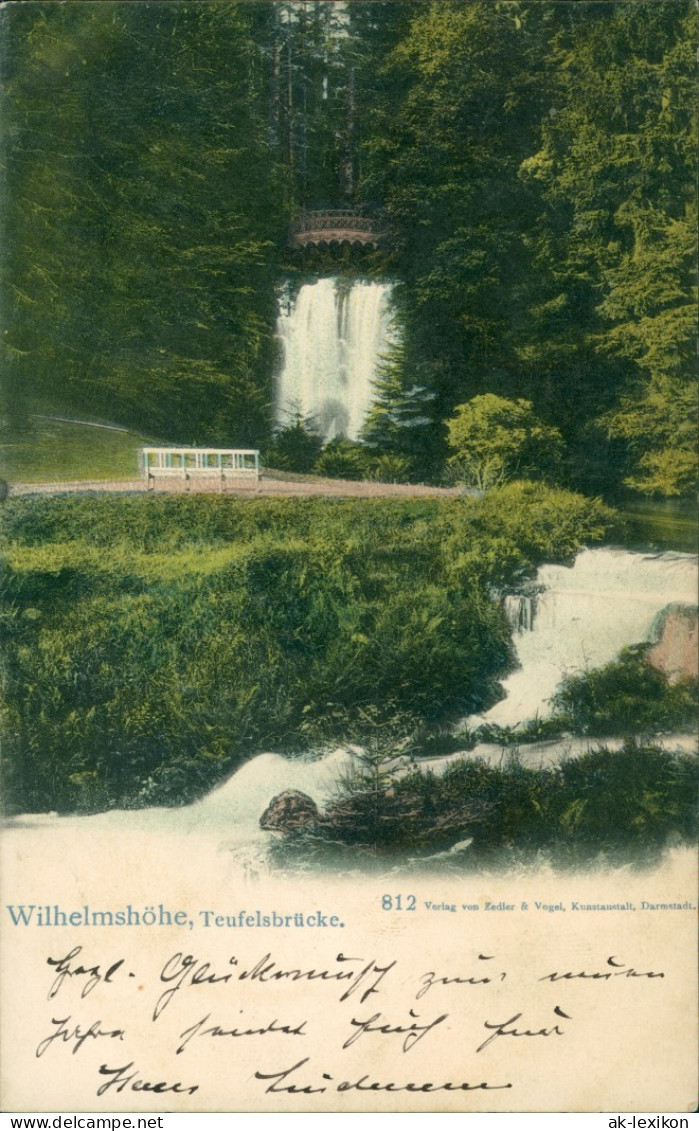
{"points": [[290, 810], [673, 638]]}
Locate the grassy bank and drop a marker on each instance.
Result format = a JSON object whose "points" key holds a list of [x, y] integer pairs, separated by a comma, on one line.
{"points": [[36, 449], [155, 642]]}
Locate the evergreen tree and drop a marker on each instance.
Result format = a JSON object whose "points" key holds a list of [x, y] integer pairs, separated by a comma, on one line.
{"points": [[401, 421], [457, 121], [144, 216], [535, 162], [615, 242]]}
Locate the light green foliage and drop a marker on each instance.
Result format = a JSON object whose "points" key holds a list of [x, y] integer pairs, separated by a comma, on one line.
{"points": [[34, 450], [659, 424], [154, 642], [493, 439]]}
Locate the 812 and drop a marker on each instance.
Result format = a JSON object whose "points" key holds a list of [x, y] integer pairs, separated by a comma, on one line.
{"points": [[398, 902]]}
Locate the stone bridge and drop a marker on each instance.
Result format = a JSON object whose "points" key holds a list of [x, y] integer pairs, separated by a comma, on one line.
{"points": [[335, 226]]}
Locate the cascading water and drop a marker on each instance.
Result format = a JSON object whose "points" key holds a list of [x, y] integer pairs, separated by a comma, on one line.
{"points": [[519, 610], [581, 617], [584, 615], [333, 335]]}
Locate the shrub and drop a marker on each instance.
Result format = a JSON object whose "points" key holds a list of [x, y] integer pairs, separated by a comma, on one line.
{"points": [[626, 697], [629, 802], [296, 447], [390, 468], [493, 439], [341, 459]]}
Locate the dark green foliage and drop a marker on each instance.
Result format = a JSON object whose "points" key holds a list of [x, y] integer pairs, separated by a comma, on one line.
{"points": [[604, 802], [670, 524], [152, 643], [615, 237], [640, 795], [628, 696], [389, 468], [537, 165], [296, 447], [143, 217], [402, 423], [444, 154], [346, 459], [532, 163], [342, 459]]}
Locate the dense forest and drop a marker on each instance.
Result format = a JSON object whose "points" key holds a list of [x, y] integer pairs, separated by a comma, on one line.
{"points": [[533, 165]]}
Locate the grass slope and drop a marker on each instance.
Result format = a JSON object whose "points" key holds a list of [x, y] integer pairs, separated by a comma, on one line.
{"points": [[36, 449], [156, 642]]}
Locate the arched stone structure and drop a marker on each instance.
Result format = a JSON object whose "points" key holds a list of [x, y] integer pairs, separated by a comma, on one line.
{"points": [[337, 226]]}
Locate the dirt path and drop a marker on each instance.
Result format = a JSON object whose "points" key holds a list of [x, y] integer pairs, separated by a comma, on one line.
{"points": [[267, 486]]}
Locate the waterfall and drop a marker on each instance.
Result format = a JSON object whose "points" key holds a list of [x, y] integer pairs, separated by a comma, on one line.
{"points": [[333, 335], [519, 610], [582, 616]]}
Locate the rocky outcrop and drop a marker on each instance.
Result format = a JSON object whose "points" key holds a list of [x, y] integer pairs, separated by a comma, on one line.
{"points": [[290, 810], [674, 638]]}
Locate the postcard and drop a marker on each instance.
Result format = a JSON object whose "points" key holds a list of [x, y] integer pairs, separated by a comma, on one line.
{"points": [[349, 571]]}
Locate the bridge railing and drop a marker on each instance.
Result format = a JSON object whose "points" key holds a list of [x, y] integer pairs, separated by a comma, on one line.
{"points": [[335, 226], [331, 218], [197, 463]]}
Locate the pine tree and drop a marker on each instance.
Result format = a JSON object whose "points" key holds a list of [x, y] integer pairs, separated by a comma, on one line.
{"points": [[401, 421]]}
